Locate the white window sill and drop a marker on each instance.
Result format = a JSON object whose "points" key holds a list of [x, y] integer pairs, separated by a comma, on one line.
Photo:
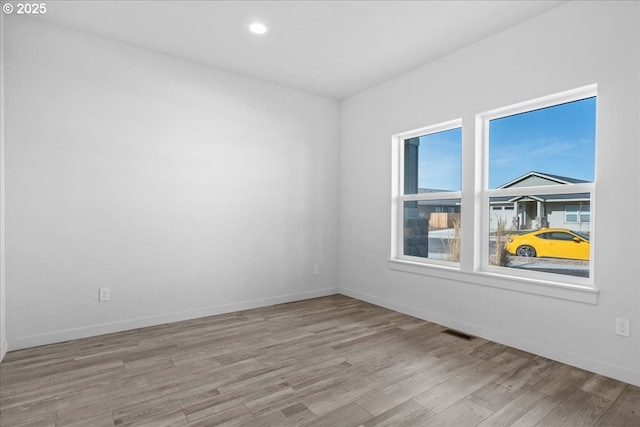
{"points": [[571, 292]]}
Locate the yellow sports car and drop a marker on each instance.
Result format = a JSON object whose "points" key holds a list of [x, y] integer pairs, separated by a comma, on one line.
{"points": [[550, 242]]}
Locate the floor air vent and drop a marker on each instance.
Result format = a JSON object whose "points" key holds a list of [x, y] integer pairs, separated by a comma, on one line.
{"points": [[458, 334]]}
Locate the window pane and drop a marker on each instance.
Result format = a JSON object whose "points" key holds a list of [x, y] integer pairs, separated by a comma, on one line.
{"points": [[433, 162], [536, 234], [432, 229], [585, 213], [553, 145]]}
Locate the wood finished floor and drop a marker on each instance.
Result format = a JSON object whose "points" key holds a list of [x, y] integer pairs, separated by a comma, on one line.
{"points": [[321, 362]]}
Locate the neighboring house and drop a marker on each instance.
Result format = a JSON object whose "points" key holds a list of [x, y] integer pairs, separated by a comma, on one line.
{"points": [[441, 213], [571, 211]]}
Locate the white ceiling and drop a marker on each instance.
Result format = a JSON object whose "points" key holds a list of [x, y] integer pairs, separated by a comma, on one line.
{"points": [[331, 48]]}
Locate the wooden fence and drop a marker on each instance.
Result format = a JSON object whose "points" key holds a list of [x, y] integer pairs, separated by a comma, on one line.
{"points": [[442, 220]]}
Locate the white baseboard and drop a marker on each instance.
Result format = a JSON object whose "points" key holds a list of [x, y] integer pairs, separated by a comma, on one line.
{"points": [[593, 365], [95, 330]]}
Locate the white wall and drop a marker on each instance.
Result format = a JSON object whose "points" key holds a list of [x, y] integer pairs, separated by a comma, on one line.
{"points": [[577, 44], [190, 191], [186, 190], [3, 329]]}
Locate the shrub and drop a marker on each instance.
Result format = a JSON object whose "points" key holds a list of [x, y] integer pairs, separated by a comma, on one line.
{"points": [[501, 256], [454, 242]]}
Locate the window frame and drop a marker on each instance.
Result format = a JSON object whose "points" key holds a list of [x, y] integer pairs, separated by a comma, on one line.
{"points": [[482, 162], [399, 198]]}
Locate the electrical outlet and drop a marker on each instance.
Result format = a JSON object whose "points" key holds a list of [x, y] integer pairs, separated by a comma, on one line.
{"points": [[622, 327], [104, 295], [316, 269]]}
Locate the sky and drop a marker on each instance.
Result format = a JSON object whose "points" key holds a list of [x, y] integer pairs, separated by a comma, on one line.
{"points": [[440, 159], [558, 140]]}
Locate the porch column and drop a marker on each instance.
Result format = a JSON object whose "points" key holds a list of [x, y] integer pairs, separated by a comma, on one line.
{"points": [[416, 228], [539, 214], [411, 165]]}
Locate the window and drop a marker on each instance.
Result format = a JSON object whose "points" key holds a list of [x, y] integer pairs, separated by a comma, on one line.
{"points": [[429, 191], [575, 214], [539, 166], [527, 223]]}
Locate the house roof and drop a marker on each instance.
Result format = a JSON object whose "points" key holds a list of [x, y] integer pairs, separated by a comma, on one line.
{"points": [[534, 178], [432, 190], [576, 197]]}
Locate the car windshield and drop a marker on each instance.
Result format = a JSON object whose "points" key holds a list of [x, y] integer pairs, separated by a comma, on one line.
{"points": [[583, 235]]}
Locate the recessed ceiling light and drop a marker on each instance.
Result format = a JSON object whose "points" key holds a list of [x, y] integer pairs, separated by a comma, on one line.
{"points": [[258, 28]]}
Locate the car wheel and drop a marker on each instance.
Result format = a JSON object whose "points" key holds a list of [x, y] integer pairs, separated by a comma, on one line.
{"points": [[526, 251]]}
